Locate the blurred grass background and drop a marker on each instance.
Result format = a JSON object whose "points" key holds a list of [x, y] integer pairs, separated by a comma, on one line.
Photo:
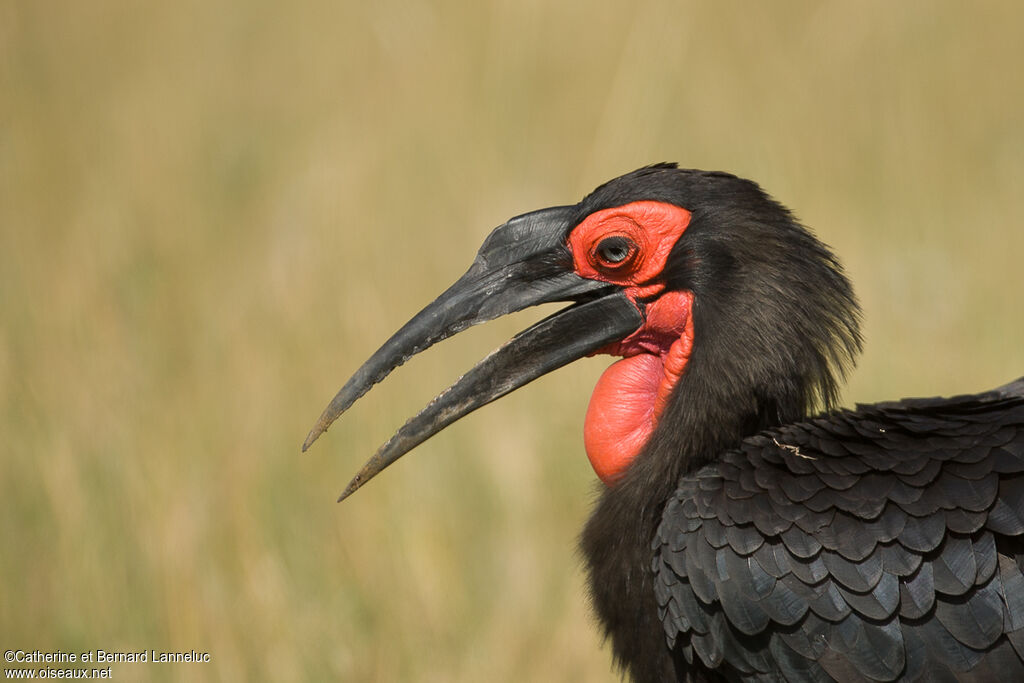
{"points": [[211, 213]]}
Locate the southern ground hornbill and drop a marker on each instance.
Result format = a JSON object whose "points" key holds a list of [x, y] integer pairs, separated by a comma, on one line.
{"points": [[739, 534]]}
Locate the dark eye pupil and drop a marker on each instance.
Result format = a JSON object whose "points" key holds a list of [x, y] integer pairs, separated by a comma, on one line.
{"points": [[614, 249]]}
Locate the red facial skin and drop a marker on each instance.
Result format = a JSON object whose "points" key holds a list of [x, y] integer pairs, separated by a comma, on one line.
{"points": [[631, 394]]}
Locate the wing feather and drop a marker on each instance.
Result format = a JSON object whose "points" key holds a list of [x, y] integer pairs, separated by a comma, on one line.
{"points": [[881, 544]]}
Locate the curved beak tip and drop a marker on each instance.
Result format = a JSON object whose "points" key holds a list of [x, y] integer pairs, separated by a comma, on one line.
{"points": [[313, 435], [372, 467], [326, 419], [350, 489]]}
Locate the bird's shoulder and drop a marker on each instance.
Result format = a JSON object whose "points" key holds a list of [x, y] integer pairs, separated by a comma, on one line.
{"points": [[834, 529]]}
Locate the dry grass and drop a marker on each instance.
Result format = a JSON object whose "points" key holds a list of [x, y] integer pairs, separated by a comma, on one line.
{"points": [[210, 213]]}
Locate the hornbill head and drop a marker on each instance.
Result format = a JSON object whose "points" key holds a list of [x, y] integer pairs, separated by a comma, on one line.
{"points": [[716, 299]]}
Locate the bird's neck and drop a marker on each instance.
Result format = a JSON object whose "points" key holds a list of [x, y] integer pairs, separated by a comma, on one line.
{"points": [[702, 419]]}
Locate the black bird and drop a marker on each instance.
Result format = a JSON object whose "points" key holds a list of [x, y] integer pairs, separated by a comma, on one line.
{"points": [[740, 533]]}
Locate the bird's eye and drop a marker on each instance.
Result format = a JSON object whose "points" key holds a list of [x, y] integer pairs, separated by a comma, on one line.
{"points": [[615, 251]]}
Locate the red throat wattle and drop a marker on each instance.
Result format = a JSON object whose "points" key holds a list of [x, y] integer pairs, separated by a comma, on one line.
{"points": [[632, 393]]}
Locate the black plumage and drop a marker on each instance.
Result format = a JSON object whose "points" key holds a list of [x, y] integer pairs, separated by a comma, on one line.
{"points": [[751, 537], [887, 572]]}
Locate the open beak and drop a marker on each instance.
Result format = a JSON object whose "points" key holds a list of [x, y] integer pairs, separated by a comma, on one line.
{"points": [[522, 263]]}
